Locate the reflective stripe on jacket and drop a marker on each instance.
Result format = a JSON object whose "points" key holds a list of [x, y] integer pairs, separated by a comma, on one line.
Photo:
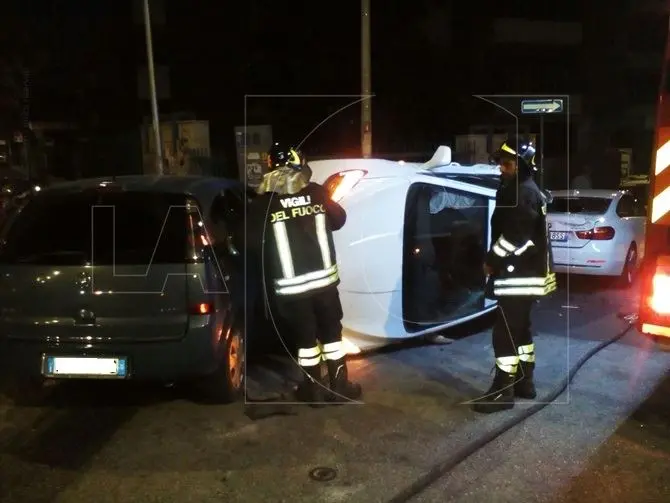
{"points": [[520, 254], [295, 232], [527, 285]]}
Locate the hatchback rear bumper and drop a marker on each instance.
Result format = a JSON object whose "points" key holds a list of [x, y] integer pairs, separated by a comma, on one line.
{"points": [[192, 356]]}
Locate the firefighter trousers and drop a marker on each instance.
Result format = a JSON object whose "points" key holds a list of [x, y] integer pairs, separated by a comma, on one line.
{"points": [[311, 320], [512, 332]]}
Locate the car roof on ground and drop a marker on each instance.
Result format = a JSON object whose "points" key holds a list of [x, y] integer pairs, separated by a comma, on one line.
{"points": [[601, 193]]}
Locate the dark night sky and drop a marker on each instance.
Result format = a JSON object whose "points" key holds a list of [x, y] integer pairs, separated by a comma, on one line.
{"points": [[429, 57]]}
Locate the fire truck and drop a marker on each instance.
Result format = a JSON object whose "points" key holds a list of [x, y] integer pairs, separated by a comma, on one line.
{"points": [[654, 311]]}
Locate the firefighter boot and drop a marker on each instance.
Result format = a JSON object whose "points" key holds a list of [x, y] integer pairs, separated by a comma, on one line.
{"points": [[525, 385], [342, 389], [310, 390], [500, 395]]}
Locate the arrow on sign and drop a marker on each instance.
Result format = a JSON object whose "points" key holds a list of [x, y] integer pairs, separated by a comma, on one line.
{"points": [[541, 106]]}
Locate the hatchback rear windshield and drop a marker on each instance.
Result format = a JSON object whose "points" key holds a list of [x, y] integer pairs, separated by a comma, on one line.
{"points": [[591, 205], [123, 228]]}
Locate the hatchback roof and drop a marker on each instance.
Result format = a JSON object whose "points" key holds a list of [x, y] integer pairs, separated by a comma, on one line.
{"points": [[177, 184]]}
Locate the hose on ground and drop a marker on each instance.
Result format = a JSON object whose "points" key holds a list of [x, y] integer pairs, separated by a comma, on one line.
{"points": [[442, 468]]}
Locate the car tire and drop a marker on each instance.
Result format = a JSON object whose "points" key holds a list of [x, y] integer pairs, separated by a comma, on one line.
{"points": [[629, 272], [226, 383]]}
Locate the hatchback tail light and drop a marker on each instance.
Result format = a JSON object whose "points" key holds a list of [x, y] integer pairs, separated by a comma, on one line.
{"points": [[597, 234], [202, 308], [339, 184]]}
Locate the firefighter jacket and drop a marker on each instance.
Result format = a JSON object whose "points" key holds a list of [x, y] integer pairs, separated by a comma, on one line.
{"points": [[520, 255], [291, 224]]}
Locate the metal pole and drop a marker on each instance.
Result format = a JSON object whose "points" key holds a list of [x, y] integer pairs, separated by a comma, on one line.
{"points": [[366, 110], [152, 88], [542, 152]]}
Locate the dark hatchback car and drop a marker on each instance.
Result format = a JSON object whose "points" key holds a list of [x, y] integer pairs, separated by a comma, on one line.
{"points": [[123, 278]]}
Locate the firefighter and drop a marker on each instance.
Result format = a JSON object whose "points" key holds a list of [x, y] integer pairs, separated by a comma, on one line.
{"points": [[520, 270], [296, 218]]}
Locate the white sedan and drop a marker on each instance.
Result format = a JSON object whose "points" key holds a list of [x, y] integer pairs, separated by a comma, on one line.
{"points": [[411, 252], [597, 232]]}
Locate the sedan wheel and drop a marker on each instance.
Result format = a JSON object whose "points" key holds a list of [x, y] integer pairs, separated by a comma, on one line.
{"points": [[629, 272]]}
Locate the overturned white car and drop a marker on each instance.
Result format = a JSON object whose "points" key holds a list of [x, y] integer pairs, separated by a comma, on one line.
{"points": [[411, 252]]}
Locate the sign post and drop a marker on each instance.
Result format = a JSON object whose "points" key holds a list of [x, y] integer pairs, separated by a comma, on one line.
{"points": [[542, 107], [366, 70]]}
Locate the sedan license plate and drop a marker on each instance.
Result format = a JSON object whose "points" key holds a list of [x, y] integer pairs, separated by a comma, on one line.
{"points": [[558, 236], [91, 367]]}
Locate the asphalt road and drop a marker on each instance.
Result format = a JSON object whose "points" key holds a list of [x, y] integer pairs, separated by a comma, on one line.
{"points": [[604, 440]]}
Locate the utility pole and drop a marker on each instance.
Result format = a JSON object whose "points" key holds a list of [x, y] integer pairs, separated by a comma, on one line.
{"points": [[25, 115], [366, 110], [152, 88]]}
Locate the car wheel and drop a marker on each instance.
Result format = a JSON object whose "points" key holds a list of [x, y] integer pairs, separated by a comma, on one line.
{"points": [[226, 383], [629, 273]]}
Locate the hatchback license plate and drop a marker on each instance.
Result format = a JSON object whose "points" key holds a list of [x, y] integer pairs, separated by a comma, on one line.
{"points": [[71, 366], [558, 236]]}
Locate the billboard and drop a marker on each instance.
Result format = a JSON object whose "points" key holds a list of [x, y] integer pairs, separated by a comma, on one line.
{"points": [[185, 145], [252, 144]]}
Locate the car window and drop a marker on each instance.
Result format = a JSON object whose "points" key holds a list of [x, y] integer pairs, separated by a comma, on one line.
{"points": [[446, 233], [626, 206], [587, 205], [124, 228], [640, 207]]}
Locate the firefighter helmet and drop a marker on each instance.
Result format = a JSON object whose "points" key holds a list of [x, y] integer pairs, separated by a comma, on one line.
{"points": [[517, 147], [281, 156]]}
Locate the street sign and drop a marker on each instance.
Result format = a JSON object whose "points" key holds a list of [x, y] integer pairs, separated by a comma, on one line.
{"points": [[544, 106]]}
